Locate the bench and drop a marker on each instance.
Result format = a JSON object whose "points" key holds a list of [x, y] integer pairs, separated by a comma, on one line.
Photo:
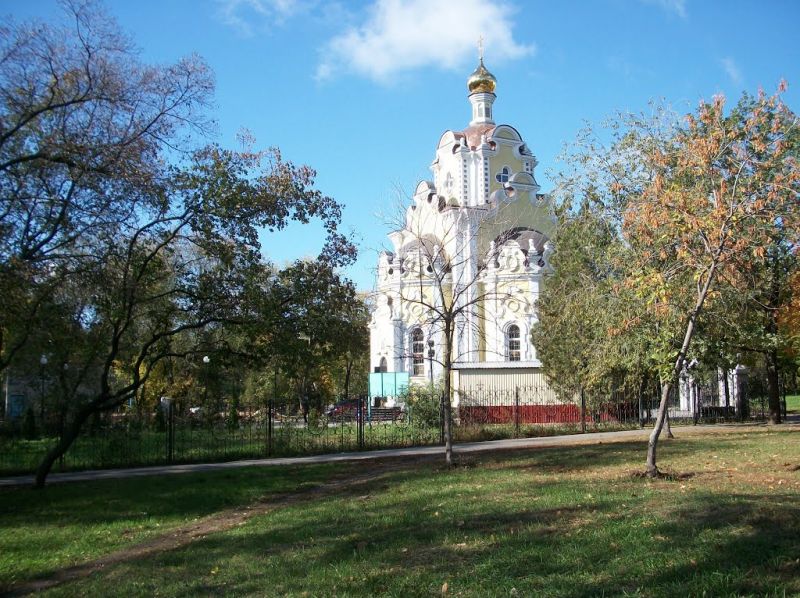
{"points": [[385, 414]]}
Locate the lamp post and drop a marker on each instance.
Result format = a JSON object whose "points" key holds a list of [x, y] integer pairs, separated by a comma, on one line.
{"points": [[431, 354], [305, 403], [42, 363], [206, 361]]}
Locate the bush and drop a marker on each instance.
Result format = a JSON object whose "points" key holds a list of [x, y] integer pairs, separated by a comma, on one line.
{"points": [[160, 420], [232, 421], [424, 405], [29, 424]]}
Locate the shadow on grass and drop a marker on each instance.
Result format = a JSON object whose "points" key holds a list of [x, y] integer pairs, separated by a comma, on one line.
{"points": [[485, 528], [42, 531], [750, 539], [552, 539]]}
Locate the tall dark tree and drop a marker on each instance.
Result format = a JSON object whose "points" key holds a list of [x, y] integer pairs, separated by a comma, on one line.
{"points": [[115, 222], [84, 128], [191, 264]]}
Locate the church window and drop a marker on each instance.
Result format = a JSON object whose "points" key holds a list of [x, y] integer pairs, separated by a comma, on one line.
{"points": [[503, 175], [384, 367], [513, 343], [448, 183], [417, 353]]}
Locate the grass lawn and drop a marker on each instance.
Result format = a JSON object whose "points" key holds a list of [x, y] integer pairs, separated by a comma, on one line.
{"points": [[64, 524], [570, 521], [793, 403]]}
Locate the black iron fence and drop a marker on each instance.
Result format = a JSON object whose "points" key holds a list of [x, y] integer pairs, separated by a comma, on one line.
{"points": [[166, 436]]}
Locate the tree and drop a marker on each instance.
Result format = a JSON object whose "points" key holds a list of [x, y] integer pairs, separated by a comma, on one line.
{"points": [[722, 184], [84, 127], [697, 212], [448, 258], [139, 245], [190, 265], [318, 325]]}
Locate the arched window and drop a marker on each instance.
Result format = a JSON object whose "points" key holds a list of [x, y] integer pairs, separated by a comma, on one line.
{"points": [[417, 353], [513, 343], [448, 183], [384, 367]]}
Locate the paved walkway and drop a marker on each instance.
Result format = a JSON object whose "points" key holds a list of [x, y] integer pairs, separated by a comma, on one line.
{"points": [[459, 448]]}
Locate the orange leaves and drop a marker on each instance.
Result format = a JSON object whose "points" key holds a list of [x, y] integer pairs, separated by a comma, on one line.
{"points": [[712, 205], [789, 314]]}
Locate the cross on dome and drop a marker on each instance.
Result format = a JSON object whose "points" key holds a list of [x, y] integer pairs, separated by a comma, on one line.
{"points": [[481, 80]]}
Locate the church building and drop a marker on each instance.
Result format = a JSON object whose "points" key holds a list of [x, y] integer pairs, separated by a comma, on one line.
{"points": [[471, 249]]}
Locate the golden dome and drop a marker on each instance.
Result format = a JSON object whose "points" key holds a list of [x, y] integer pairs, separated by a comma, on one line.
{"points": [[481, 81]]}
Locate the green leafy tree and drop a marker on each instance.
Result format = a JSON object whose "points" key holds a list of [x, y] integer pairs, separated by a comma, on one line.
{"points": [[318, 328], [191, 265], [695, 212]]}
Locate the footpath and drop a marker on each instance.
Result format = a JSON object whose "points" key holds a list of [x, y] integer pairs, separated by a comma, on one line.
{"points": [[398, 453]]}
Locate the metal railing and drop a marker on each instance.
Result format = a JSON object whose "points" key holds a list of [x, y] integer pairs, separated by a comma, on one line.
{"points": [[279, 428]]}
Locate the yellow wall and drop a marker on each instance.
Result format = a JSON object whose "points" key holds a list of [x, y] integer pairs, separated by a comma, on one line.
{"points": [[516, 214], [505, 157]]}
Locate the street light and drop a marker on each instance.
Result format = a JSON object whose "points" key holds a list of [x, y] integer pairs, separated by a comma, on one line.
{"points": [[431, 354], [42, 363], [206, 361]]}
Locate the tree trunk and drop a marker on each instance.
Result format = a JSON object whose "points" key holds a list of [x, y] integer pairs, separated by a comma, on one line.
{"points": [[773, 387], [446, 406], [347, 379], [667, 427], [71, 432], [652, 443], [727, 388]]}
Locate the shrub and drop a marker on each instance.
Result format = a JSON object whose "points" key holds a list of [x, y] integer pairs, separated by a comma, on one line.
{"points": [[424, 405], [29, 424], [232, 421]]}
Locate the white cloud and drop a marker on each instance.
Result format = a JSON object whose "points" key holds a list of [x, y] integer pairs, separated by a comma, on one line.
{"points": [[247, 15], [677, 7], [402, 35], [732, 69]]}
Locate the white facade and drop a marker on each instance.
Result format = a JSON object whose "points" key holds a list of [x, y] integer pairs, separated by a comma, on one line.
{"points": [[475, 236]]}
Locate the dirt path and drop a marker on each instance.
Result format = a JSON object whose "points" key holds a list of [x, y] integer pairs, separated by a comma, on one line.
{"points": [[218, 522]]}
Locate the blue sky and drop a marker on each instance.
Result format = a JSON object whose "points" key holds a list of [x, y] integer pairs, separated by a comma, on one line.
{"points": [[361, 91]]}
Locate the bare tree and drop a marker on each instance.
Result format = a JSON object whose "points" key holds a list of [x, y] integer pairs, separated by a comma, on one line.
{"points": [[452, 264]]}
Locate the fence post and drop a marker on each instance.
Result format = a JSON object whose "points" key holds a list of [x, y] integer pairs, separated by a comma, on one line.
{"points": [[170, 432], [583, 412], [360, 423], [441, 419], [516, 411], [269, 428], [165, 410]]}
